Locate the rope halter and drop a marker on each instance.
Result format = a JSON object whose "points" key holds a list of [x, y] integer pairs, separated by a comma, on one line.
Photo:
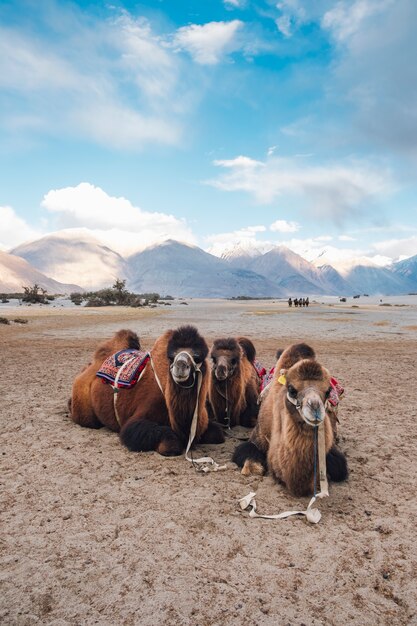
{"points": [[312, 515], [196, 368]]}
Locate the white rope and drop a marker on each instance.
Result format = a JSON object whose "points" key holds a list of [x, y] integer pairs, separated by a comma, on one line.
{"points": [[115, 386], [156, 376], [313, 515], [204, 463]]}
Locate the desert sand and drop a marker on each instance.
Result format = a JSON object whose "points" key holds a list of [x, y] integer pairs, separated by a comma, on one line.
{"points": [[95, 534]]}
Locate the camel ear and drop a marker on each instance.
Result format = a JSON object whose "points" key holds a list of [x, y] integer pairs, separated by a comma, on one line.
{"points": [[282, 378]]}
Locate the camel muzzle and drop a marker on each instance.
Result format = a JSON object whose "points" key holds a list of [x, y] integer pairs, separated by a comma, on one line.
{"points": [[221, 372], [183, 368], [181, 371], [312, 408]]}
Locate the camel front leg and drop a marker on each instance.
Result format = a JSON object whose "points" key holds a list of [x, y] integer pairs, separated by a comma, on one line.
{"points": [[250, 458], [213, 434], [141, 435]]}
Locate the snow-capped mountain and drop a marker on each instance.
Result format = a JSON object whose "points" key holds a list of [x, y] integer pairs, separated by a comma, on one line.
{"points": [[407, 270], [332, 280], [74, 254], [241, 254], [183, 270], [16, 273], [366, 276], [291, 272]]}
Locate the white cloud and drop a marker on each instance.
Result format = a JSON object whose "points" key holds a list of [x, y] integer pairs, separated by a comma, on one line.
{"points": [[242, 162], [245, 238], [282, 226], [209, 43], [333, 191], [381, 253], [346, 238], [13, 229], [374, 39], [284, 25], [347, 18], [130, 129], [236, 4], [124, 227], [397, 248], [111, 81]]}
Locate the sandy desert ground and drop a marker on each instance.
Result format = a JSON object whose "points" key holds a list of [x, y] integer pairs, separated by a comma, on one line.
{"points": [[95, 534]]}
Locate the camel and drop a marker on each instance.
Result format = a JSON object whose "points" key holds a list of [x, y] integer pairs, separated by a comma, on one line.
{"points": [[234, 382], [282, 441], [156, 413]]}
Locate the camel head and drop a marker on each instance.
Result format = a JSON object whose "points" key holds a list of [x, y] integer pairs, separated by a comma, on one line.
{"points": [[307, 387], [225, 357], [186, 352]]}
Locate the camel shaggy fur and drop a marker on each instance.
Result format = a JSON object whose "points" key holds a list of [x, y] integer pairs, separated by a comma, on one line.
{"points": [[234, 383], [282, 441], [150, 419]]}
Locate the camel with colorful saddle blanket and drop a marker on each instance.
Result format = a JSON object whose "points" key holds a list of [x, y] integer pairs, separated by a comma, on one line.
{"points": [[154, 400]]}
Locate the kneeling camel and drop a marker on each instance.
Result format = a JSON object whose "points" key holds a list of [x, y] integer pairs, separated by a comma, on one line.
{"points": [[156, 413], [284, 439], [234, 383]]}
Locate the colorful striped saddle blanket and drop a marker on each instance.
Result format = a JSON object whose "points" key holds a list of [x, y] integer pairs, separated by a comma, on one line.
{"points": [[123, 369], [266, 378], [336, 392]]}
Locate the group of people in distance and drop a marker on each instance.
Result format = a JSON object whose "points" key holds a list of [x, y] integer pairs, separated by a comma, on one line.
{"points": [[298, 301]]}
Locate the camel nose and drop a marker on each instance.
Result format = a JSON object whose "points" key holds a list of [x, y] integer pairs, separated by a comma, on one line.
{"points": [[182, 365], [221, 372], [316, 409]]}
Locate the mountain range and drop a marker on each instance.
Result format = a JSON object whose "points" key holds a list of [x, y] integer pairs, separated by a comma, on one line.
{"points": [[16, 273], [184, 270]]}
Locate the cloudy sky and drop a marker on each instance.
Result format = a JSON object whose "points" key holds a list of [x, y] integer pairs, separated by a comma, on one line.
{"points": [[214, 122]]}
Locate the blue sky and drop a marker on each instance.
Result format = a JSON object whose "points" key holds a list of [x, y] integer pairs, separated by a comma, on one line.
{"points": [[214, 122]]}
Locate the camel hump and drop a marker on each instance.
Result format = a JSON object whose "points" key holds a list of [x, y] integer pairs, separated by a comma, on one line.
{"points": [[248, 348], [310, 369], [121, 340], [291, 355]]}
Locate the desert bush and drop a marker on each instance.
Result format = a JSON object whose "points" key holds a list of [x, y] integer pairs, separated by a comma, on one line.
{"points": [[4, 320], [35, 295], [20, 320], [95, 302], [76, 298], [116, 295]]}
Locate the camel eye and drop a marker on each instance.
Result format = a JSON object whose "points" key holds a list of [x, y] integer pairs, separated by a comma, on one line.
{"points": [[197, 358], [292, 391], [213, 358], [233, 361]]}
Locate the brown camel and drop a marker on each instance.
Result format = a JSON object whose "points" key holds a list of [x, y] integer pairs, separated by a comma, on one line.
{"points": [[150, 417], [283, 440], [234, 383]]}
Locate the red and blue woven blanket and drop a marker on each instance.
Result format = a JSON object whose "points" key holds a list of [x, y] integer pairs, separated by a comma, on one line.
{"points": [[336, 392], [133, 363]]}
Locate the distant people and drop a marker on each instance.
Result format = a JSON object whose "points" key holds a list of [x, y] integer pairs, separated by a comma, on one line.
{"points": [[299, 302]]}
